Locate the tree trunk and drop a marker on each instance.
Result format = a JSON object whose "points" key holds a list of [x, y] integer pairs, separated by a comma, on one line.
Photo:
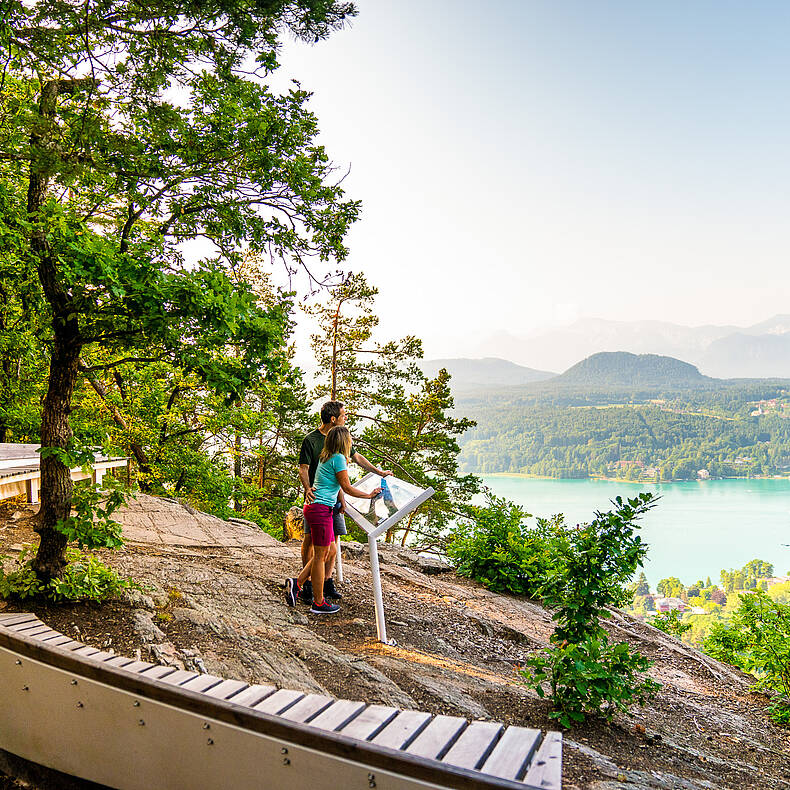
{"points": [[56, 484]]}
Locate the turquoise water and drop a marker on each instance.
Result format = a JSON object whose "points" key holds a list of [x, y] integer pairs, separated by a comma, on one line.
{"points": [[695, 530]]}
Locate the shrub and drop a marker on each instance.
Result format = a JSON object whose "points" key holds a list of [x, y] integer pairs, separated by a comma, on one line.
{"points": [[757, 640], [671, 623], [589, 573], [592, 676], [85, 577], [493, 544]]}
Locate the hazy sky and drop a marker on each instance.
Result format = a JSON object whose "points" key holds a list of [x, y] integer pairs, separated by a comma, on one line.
{"points": [[525, 162]]}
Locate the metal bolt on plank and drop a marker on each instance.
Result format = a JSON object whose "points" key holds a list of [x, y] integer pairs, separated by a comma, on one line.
{"points": [[141, 723], [73, 682], [80, 705], [206, 726], [210, 741], [136, 704]]}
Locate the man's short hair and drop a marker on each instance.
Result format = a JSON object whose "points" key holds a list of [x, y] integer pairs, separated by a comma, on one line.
{"points": [[330, 409]]}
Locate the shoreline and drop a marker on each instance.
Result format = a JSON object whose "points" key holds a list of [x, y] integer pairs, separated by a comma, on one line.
{"points": [[526, 476]]}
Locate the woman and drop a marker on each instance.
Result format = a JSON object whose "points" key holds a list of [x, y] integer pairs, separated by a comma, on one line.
{"points": [[331, 477]]}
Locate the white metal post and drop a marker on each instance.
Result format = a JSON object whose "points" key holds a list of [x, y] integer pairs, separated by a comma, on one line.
{"points": [[381, 626], [339, 560]]}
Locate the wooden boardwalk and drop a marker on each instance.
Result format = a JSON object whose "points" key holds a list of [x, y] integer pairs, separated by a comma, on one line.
{"points": [[131, 724]]}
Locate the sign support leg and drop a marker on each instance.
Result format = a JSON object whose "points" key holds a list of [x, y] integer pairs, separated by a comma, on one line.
{"points": [[381, 626]]}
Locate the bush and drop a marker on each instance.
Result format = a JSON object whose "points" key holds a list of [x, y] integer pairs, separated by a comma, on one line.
{"points": [[592, 676], [493, 544], [590, 572], [757, 640], [671, 623], [85, 577]]}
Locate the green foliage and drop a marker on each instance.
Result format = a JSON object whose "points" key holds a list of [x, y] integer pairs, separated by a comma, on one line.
{"points": [[757, 639], [671, 587], [591, 676], [84, 578], [671, 622], [409, 423], [660, 434], [118, 178], [90, 524], [493, 544], [748, 577], [590, 572]]}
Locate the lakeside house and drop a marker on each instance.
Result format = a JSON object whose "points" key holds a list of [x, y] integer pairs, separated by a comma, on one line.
{"points": [[664, 605]]}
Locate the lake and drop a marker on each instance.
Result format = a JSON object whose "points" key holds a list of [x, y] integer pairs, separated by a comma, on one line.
{"points": [[695, 530]]}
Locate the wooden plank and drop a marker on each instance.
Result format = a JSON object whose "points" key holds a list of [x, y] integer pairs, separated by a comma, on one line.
{"points": [[545, 770], [14, 618], [180, 676], [279, 701], [70, 645], [510, 756], [58, 641], [118, 661], [307, 708], [402, 729], [100, 655], [25, 625], [43, 635], [337, 715], [201, 683], [370, 722], [138, 666], [437, 738], [226, 689], [253, 695], [158, 671], [474, 745], [86, 650]]}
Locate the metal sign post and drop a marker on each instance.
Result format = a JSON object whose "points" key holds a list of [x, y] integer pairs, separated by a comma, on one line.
{"points": [[414, 497]]}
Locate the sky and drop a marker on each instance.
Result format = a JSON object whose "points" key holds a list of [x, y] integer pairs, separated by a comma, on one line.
{"points": [[523, 163]]}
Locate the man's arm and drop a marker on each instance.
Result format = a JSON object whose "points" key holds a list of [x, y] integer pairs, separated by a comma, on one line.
{"points": [[304, 477], [360, 460]]}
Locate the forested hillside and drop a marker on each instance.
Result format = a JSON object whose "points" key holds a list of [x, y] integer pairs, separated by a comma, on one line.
{"points": [[558, 429]]}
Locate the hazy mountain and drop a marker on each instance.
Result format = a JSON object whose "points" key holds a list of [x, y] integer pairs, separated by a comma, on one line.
{"points": [[623, 369], [743, 355], [761, 350], [471, 374]]}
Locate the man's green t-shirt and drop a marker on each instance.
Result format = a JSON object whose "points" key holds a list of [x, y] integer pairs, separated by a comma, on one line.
{"points": [[311, 448]]}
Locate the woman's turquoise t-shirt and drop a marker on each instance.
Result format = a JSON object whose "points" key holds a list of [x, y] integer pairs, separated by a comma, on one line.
{"points": [[326, 485]]}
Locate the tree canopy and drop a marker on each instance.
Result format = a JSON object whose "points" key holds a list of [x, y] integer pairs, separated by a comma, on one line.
{"points": [[127, 132]]}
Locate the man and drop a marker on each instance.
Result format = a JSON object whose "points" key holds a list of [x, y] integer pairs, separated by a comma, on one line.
{"points": [[332, 413]]}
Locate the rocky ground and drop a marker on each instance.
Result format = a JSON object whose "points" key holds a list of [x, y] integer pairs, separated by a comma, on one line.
{"points": [[213, 600]]}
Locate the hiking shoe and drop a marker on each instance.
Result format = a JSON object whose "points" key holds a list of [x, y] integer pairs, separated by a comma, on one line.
{"points": [[306, 593], [330, 591], [291, 590], [324, 608]]}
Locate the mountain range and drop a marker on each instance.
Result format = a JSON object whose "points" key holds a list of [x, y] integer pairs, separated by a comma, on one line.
{"points": [[758, 351]]}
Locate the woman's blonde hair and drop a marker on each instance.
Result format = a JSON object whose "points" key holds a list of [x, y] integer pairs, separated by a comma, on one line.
{"points": [[338, 440]]}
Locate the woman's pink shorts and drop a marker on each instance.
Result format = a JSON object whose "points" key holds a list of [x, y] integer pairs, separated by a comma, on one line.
{"points": [[319, 518]]}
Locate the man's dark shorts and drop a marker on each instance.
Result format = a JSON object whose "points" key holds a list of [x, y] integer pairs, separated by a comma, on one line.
{"points": [[338, 522]]}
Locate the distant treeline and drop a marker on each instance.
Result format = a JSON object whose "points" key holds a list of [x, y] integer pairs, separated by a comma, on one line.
{"points": [[636, 434]]}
